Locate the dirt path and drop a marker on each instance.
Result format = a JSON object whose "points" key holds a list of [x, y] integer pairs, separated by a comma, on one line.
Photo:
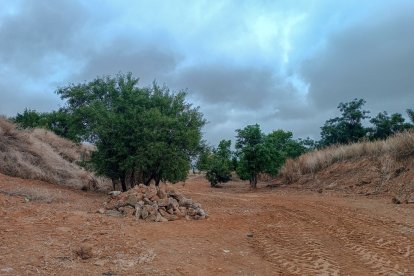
{"points": [[293, 233]]}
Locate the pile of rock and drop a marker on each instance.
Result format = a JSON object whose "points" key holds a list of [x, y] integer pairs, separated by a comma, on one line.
{"points": [[152, 203]]}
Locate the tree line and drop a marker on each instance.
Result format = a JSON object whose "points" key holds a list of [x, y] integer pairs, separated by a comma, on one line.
{"points": [[150, 134]]}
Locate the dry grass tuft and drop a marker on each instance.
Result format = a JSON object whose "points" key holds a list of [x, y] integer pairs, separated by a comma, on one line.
{"points": [[36, 194], [390, 151], [41, 154]]}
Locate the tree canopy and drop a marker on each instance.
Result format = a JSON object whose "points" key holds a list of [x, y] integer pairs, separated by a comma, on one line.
{"points": [[347, 128], [141, 134], [217, 163], [261, 153]]}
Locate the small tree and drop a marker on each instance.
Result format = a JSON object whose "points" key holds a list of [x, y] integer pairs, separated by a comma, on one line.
{"points": [[219, 164], [253, 155]]}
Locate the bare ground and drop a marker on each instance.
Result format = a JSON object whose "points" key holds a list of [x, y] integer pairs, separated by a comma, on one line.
{"points": [[293, 232]]}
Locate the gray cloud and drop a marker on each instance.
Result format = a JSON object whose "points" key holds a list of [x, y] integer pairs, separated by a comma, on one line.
{"points": [[238, 60], [39, 34], [147, 61], [222, 84], [372, 60]]}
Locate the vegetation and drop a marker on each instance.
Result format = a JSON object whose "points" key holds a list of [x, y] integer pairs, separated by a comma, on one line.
{"points": [[397, 147], [258, 153], [349, 127], [141, 134], [217, 163], [145, 134]]}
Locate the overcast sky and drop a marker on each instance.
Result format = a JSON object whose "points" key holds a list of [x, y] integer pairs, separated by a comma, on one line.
{"points": [[282, 64]]}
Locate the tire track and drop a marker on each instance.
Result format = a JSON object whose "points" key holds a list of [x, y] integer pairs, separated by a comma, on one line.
{"points": [[304, 238]]}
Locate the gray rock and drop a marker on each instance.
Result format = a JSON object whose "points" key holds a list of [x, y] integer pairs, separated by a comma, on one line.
{"points": [[101, 211], [114, 193], [114, 213]]}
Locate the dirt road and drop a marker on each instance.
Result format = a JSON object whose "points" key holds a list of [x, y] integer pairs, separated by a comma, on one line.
{"points": [[266, 232]]}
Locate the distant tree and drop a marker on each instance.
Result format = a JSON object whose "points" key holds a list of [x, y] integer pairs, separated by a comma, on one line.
{"points": [[259, 153], [252, 154], [149, 134], [219, 164], [281, 145], [203, 158], [30, 119], [347, 128], [308, 144], [410, 113], [385, 125]]}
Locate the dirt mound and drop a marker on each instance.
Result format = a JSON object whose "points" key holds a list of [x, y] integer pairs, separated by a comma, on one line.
{"points": [[151, 203], [42, 155], [369, 168]]}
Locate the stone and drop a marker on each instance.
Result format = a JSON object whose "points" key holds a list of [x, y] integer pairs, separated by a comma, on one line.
{"points": [[163, 202], [186, 202], [191, 212], [147, 201], [7, 270], [144, 212], [132, 200], [161, 194], [129, 211], [167, 215], [114, 193], [249, 235], [114, 213], [138, 211], [101, 211]]}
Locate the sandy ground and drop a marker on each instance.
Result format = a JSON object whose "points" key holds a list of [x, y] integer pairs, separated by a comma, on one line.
{"points": [[278, 231]]}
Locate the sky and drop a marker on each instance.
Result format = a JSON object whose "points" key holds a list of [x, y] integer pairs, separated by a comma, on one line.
{"points": [[282, 64]]}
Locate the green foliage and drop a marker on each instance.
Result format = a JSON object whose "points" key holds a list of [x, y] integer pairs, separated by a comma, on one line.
{"points": [[385, 125], [410, 113], [252, 154], [30, 119], [60, 122], [219, 164], [348, 128], [149, 133], [260, 153]]}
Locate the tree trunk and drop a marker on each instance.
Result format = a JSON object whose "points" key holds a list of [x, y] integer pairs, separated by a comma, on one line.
{"points": [[132, 179], [113, 184], [253, 181], [123, 184], [157, 181]]}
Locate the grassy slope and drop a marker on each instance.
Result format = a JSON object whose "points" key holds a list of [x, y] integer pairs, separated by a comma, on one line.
{"points": [[40, 154], [380, 167]]}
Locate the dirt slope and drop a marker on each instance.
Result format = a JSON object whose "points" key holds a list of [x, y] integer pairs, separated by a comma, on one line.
{"points": [[41, 154], [293, 233]]}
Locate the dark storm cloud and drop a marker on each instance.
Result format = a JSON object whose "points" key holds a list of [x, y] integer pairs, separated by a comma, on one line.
{"points": [[37, 33], [243, 87], [373, 60], [148, 62]]}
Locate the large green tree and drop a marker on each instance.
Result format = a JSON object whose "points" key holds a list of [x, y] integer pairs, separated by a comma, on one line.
{"points": [[141, 133], [348, 127]]}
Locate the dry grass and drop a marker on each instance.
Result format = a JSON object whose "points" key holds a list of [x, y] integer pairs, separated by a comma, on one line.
{"points": [[36, 194], [388, 152], [40, 154]]}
